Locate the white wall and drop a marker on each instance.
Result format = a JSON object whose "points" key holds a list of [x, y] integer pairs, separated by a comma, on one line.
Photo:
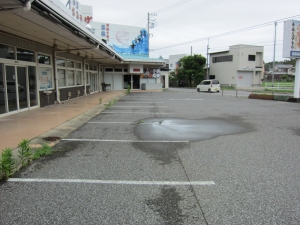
{"points": [[228, 72], [173, 59]]}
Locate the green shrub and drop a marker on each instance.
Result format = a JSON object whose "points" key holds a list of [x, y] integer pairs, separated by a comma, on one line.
{"points": [[25, 153], [128, 89], [7, 164], [44, 150]]}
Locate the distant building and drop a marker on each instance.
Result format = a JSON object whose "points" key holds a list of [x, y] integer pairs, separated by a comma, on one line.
{"points": [[240, 66], [281, 69], [174, 61]]}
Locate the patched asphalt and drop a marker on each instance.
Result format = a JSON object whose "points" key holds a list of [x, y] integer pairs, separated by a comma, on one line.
{"points": [[250, 152]]}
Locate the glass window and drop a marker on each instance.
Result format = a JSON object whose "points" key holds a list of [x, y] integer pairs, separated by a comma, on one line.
{"points": [[91, 67], [25, 55], [108, 69], [44, 59], [78, 78], [61, 78], [71, 79], [45, 78], [7, 52], [118, 69], [70, 64], [78, 65], [251, 57], [61, 62], [125, 70], [86, 66], [95, 68]]}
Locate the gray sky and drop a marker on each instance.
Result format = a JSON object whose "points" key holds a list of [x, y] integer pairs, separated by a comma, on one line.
{"points": [[182, 21]]}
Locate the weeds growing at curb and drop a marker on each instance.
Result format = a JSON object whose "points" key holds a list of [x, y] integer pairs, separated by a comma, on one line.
{"points": [[128, 89], [7, 164], [100, 100], [111, 103], [44, 150], [141, 121], [25, 153]]}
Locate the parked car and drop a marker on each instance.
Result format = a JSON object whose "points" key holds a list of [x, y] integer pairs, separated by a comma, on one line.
{"points": [[11, 87], [209, 86]]}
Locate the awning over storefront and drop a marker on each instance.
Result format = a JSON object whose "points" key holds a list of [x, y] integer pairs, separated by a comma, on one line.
{"points": [[41, 24]]}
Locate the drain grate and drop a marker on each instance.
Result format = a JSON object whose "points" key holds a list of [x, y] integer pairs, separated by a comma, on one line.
{"points": [[52, 138]]}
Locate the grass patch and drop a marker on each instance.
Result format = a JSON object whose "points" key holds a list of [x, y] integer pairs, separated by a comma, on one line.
{"points": [[44, 150], [111, 103], [227, 88]]}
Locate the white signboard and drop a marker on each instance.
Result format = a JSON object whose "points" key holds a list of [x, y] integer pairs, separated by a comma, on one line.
{"points": [[291, 39]]}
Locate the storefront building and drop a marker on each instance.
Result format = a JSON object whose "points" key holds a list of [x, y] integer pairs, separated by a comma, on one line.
{"points": [[47, 57]]}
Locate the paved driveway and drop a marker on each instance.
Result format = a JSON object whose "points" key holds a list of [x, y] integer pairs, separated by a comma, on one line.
{"points": [[139, 162]]}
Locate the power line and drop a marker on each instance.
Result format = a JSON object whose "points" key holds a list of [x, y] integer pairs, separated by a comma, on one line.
{"points": [[229, 32], [165, 9], [193, 10]]}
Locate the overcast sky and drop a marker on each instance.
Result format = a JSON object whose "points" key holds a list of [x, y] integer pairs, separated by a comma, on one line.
{"points": [[181, 21]]}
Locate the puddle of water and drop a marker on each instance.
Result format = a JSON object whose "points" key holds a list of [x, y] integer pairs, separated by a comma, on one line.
{"points": [[186, 129]]}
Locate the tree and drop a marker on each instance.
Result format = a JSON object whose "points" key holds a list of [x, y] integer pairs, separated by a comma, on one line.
{"points": [[192, 68]]}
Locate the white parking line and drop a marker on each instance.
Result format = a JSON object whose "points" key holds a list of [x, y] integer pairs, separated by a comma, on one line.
{"points": [[121, 182], [112, 122], [129, 141], [186, 99], [139, 123], [119, 102], [126, 106], [133, 112]]}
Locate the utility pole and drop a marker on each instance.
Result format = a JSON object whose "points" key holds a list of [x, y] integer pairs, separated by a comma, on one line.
{"points": [[274, 55], [207, 60], [151, 25]]}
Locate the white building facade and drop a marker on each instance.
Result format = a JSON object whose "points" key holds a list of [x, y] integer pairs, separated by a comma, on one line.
{"points": [[48, 55], [240, 66]]}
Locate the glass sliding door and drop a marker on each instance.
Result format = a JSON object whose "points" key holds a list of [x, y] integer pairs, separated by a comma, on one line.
{"points": [[2, 90], [11, 87], [33, 97], [22, 87], [15, 92]]}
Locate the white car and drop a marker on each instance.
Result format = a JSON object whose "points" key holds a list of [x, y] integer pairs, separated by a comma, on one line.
{"points": [[209, 86]]}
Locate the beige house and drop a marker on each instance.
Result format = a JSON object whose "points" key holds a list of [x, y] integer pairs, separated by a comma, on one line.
{"points": [[240, 66]]}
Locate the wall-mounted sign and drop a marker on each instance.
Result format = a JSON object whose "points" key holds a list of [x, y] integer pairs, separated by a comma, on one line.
{"points": [[45, 78], [291, 39], [151, 73]]}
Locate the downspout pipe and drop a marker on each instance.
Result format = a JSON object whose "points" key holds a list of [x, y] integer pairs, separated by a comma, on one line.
{"points": [[55, 77]]}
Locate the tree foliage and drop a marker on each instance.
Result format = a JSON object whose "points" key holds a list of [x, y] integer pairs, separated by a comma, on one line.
{"points": [[192, 68]]}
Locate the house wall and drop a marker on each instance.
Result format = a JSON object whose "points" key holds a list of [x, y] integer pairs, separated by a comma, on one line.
{"points": [[173, 59], [230, 72]]}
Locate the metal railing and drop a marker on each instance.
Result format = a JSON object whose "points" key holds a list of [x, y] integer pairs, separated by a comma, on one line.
{"points": [[279, 86]]}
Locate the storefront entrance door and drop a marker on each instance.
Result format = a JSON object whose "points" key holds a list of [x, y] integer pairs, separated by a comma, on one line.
{"points": [[132, 80], [94, 83], [18, 89]]}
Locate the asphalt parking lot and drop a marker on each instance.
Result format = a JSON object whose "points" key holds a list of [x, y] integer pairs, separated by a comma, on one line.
{"points": [[173, 157]]}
